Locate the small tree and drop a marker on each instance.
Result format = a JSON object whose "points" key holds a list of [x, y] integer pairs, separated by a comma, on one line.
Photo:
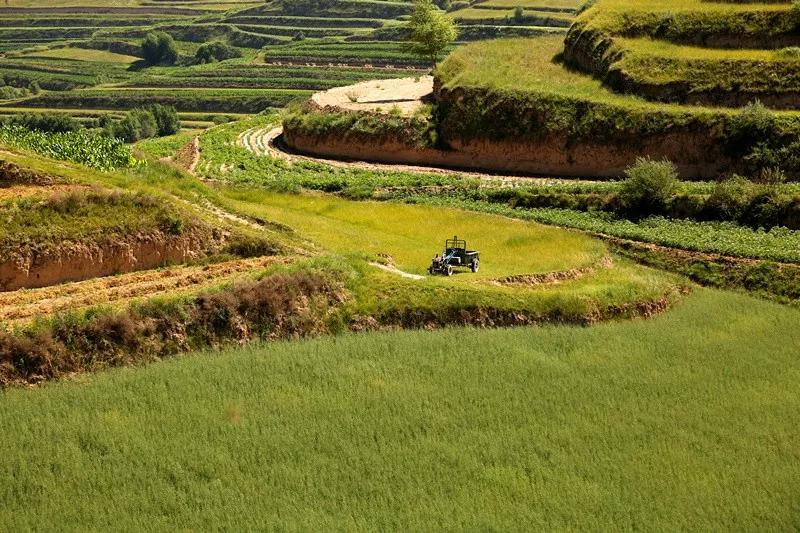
{"points": [[167, 120], [158, 48], [519, 15], [430, 31], [136, 125], [216, 51], [649, 187]]}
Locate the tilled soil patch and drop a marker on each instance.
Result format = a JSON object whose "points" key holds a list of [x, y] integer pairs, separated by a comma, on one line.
{"points": [[24, 305]]}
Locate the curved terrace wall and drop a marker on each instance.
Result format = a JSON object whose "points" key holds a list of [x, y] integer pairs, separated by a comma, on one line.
{"points": [[553, 155], [478, 129], [738, 81]]}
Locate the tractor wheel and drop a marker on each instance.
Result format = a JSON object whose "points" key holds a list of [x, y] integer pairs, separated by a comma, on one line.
{"points": [[475, 265], [449, 270]]}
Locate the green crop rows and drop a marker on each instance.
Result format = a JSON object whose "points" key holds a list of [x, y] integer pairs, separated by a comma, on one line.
{"points": [[90, 149]]}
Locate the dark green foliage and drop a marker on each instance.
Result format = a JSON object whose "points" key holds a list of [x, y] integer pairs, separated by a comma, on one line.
{"points": [[749, 128], [730, 197], [158, 48], [649, 187], [143, 123], [46, 122], [138, 124], [167, 120], [765, 278], [519, 14], [216, 51]]}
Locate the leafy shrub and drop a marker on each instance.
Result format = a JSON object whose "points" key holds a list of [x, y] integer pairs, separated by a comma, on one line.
{"points": [[158, 48], [138, 124], [216, 51], [751, 134], [519, 14], [144, 123], [764, 210], [792, 52], [771, 176], [46, 122], [166, 118], [7, 92], [730, 197], [649, 187]]}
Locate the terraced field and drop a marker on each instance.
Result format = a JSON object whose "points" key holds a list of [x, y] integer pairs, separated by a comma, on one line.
{"points": [[686, 82], [20, 307], [577, 377], [82, 54]]}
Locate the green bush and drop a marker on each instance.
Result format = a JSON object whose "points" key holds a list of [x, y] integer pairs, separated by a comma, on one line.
{"points": [[158, 48], [729, 198], [791, 52], [771, 176], [649, 187], [216, 51], [143, 123], [46, 122], [138, 124], [751, 131], [167, 120]]}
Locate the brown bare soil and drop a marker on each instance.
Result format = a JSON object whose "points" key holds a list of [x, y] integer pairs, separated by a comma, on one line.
{"points": [[270, 142], [15, 192], [550, 156], [11, 174], [21, 306], [406, 94], [80, 261], [188, 156]]}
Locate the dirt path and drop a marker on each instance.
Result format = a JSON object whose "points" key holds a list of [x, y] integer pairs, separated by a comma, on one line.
{"points": [[22, 306], [397, 271], [268, 142], [405, 94]]}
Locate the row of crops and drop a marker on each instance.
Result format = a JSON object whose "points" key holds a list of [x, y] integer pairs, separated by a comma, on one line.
{"points": [[777, 244], [79, 55], [83, 146]]}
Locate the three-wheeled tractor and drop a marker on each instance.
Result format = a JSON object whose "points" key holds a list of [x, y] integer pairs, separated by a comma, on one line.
{"points": [[455, 255]]}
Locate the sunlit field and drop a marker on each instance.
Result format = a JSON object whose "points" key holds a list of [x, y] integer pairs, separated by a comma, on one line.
{"points": [[687, 421]]}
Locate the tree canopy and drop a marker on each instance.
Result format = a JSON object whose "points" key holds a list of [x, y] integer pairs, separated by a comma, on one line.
{"points": [[158, 48], [430, 31]]}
